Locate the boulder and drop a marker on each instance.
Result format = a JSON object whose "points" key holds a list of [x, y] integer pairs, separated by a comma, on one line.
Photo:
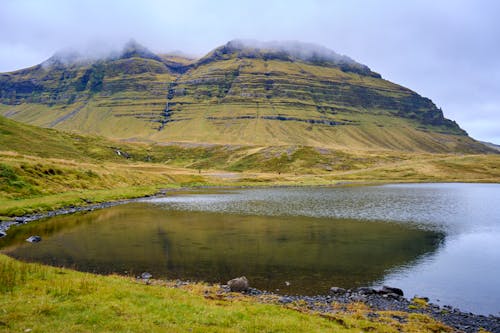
{"points": [[337, 291], [391, 290], [34, 239], [365, 291], [146, 276], [238, 284], [358, 298]]}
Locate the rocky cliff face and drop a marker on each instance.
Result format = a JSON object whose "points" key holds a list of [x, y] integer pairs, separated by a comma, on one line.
{"points": [[244, 92]]}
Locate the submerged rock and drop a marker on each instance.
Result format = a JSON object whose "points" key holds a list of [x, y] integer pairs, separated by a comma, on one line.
{"points": [[337, 291], [391, 290], [34, 239], [365, 291], [238, 284]]}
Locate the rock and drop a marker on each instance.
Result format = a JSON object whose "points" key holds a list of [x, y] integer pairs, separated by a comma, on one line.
{"points": [[337, 291], [146, 276], [2, 234], [254, 292], [122, 153], [238, 284], [391, 290], [358, 298], [366, 291], [286, 300], [391, 295], [34, 239]]}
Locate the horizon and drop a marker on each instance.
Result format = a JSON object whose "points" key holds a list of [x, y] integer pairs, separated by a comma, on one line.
{"points": [[444, 51]]}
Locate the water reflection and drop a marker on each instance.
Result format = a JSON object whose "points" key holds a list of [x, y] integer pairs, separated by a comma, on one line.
{"points": [[313, 254]]}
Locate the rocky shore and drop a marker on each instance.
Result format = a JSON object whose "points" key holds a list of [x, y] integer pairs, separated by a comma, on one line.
{"points": [[5, 225], [387, 299]]}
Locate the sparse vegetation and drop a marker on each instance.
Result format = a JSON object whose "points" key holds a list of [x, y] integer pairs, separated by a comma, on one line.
{"points": [[419, 303]]}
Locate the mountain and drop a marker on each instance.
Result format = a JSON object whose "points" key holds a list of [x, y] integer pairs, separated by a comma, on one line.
{"points": [[244, 92]]}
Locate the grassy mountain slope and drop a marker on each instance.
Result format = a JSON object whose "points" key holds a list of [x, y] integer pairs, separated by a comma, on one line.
{"points": [[237, 94]]}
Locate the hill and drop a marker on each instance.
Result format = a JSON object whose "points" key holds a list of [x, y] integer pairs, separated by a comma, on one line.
{"points": [[491, 145], [242, 93]]}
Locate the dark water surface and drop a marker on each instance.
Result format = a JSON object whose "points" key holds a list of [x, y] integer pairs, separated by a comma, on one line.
{"points": [[435, 240]]}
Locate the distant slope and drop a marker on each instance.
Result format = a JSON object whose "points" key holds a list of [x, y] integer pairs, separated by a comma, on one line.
{"points": [[50, 143], [491, 145], [245, 93]]}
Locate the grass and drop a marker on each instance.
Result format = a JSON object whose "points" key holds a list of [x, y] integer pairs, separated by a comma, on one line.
{"points": [[419, 303], [33, 184], [45, 299], [55, 201]]}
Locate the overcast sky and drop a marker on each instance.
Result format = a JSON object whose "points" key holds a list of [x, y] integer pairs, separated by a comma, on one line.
{"points": [[448, 51]]}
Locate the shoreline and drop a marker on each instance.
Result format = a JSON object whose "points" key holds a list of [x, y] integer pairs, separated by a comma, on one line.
{"points": [[7, 221], [72, 209], [379, 300]]}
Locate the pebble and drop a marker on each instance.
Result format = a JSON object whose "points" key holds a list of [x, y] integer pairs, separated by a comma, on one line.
{"points": [[466, 322], [34, 239]]}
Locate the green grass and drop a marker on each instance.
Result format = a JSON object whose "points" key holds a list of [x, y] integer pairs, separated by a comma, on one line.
{"points": [[54, 201], [45, 299], [32, 184]]}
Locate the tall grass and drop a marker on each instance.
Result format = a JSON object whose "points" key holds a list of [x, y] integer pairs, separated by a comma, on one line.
{"points": [[14, 273]]}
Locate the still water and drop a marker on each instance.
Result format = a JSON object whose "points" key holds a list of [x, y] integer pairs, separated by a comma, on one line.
{"points": [[435, 240]]}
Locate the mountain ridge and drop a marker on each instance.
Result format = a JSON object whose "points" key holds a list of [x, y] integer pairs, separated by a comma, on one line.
{"points": [[243, 92]]}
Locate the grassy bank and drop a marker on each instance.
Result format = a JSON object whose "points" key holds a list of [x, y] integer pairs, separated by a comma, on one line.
{"points": [[34, 184], [45, 299]]}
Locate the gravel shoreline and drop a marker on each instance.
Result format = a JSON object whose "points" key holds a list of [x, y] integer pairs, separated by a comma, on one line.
{"points": [[380, 300], [5, 225]]}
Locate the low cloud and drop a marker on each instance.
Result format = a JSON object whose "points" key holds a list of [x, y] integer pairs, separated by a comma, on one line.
{"points": [[297, 49]]}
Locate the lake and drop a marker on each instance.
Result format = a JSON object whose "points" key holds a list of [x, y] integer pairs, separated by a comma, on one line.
{"points": [[434, 240]]}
